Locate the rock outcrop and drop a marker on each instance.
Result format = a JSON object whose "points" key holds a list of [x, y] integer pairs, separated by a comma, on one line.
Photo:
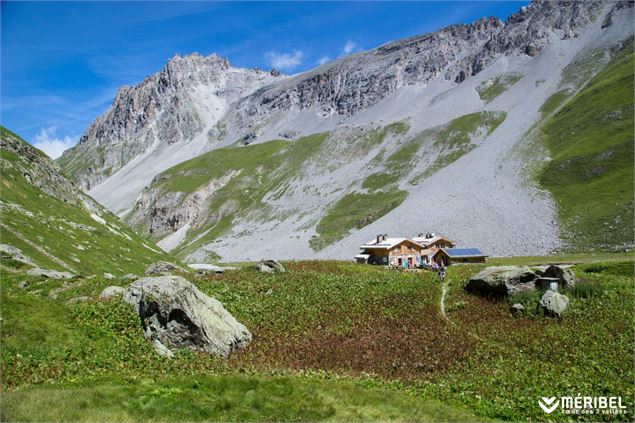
{"points": [[163, 267], [270, 266], [502, 281], [51, 274], [175, 314]]}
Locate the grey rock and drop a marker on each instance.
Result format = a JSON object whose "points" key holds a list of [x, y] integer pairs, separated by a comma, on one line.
{"points": [[202, 268], [500, 281], [111, 291], [130, 277], [175, 314], [23, 285], [554, 304], [517, 309], [109, 276], [51, 274], [288, 134], [270, 266], [10, 251], [162, 267]]}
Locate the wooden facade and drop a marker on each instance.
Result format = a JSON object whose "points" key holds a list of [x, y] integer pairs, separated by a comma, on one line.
{"points": [[396, 252]]}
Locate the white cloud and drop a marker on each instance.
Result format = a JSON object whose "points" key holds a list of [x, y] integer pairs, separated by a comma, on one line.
{"points": [[284, 61], [348, 47], [47, 141], [324, 59]]}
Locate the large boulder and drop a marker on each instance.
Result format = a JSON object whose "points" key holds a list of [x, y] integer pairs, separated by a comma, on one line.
{"points": [[500, 281], [162, 267], [175, 314], [554, 304], [270, 266]]}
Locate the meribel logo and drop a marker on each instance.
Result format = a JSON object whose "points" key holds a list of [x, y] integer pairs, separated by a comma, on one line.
{"points": [[548, 405], [583, 405]]}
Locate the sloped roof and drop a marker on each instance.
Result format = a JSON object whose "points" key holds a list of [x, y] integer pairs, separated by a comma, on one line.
{"points": [[463, 252], [387, 243], [427, 241]]}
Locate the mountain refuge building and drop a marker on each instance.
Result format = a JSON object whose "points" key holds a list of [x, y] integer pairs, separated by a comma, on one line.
{"points": [[420, 251]]}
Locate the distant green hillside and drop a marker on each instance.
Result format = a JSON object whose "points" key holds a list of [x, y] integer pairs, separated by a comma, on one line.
{"points": [[590, 141], [55, 225]]}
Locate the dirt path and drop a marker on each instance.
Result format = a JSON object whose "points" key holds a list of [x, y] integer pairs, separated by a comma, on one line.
{"points": [[444, 291]]}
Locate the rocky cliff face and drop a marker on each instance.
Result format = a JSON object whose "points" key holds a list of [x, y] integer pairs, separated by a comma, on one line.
{"points": [[190, 96], [182, 101]]}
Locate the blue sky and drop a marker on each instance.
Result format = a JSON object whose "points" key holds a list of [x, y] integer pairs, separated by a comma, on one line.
{"points": [[62, 62]]}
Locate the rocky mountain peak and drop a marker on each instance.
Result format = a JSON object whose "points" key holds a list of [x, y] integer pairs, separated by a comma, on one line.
{"points": [[192, 94]]}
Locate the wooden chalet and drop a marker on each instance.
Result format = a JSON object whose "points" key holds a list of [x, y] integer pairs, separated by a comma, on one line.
{"points": [[448, 256], [432, 244], [395, 252]]}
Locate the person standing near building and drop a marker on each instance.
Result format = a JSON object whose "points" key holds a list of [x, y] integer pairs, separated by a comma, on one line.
{"points": [[441, 273]]}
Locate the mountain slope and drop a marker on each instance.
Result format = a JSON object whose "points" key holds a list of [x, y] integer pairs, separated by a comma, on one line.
{"points": [[590, 140], [55, 225], [417, 135]]}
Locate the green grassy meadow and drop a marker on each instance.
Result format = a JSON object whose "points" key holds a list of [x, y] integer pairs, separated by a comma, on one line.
{"points": [[332, 341]]}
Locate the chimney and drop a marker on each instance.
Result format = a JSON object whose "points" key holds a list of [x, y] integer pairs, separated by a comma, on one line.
{"points": [[378, 239], [384, 237]]}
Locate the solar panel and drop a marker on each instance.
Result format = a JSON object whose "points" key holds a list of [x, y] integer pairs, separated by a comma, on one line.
{"points": [[455, 252]]}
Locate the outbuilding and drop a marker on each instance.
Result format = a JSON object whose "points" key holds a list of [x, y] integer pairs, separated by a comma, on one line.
{"points": [[448, 256]]}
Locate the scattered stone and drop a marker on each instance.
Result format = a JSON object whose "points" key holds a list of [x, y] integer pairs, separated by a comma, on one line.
{"points": [[517, 309], [75, 300], [23, 285], [51, 274], [109, 276], [554, 304], [202, 268], [500, 281], [130, 277], [270, 266], [162, 267], [288, 134], [176, 314], [9, 251], [111, 291]]}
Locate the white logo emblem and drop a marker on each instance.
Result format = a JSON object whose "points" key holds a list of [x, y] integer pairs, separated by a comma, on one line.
{"points": [[548, 405]]}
